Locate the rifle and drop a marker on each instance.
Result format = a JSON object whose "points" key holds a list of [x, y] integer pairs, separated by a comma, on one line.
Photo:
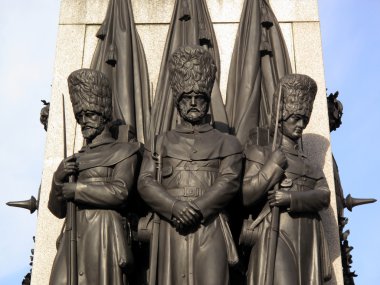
{"points": [[71, 221], [153, 254], [275, 222]]}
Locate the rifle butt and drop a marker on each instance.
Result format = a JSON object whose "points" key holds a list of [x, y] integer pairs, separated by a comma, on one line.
{"points": [[71, 231], [272, 246], [154, 250]]}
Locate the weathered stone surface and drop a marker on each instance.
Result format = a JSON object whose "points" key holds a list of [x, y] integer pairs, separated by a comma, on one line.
{"points": [[225, 34], [308, 57], [295, 10], [68, 57], [287, 31], [93, 11], [90, 43], [153, 38]]}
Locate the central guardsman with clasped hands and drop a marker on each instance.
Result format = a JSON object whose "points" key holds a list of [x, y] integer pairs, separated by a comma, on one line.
{"points": [[200, 175]]}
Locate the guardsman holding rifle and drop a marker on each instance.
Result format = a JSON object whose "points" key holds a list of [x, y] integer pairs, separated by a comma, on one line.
{"points": [[284, 192], [104, 171]]}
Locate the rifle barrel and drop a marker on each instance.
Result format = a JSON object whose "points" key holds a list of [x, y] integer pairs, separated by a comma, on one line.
{"points": [[155, 230], [275, 222], [71, 221]]}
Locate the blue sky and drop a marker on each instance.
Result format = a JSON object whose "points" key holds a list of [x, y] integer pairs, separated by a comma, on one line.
{"points": [[350, 35]]}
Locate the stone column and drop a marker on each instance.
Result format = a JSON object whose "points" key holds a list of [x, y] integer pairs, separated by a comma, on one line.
{"points": [[78, 24]]}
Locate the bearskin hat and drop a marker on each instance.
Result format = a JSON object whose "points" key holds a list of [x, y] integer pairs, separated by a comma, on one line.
{"points": [[90, 90], [191, 68], [298, 94]]}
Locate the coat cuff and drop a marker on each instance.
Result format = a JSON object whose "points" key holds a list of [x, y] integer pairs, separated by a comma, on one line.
{"points": [[79, 189], [271, 171]]}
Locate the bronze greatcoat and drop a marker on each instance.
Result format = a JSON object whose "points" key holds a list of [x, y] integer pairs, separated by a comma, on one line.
{"points": [[302, 256], [107, 174], [203, 165]]}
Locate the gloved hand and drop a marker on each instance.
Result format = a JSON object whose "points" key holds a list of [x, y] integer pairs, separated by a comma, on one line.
{"points": [[279, 198], [279, 158], [186, 214], [67, 167]]}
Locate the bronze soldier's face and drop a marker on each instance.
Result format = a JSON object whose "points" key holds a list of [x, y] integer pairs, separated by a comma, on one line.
{"points": [[92, 124], [293, 127], [193, 107]]}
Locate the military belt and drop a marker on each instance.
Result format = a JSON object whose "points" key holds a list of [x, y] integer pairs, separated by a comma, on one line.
{"points": [[194, 167], [187, 191], [305, 181], [95, 179]]}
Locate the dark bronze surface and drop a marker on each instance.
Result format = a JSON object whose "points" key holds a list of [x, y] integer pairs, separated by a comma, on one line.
{"points": [[300, 252], [104, 176], [31, 204], [120, 55], [259, 60], [44, 114], [200, 176], [190, 25], [190, 178]]}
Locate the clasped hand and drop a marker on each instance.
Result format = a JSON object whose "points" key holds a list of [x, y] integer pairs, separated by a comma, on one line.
{"points": [[186, 215]]}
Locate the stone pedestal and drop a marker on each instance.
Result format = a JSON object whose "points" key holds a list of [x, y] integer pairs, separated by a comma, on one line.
{"points": [[79, 22]]}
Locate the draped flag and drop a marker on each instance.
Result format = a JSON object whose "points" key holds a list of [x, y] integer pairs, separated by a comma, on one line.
{"points": [[259, 60], [190, 25], [120, 55]]}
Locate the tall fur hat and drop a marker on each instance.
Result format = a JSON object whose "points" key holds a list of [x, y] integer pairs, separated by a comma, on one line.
{"points": [[298, 94], [90, 90], [191, 68]]}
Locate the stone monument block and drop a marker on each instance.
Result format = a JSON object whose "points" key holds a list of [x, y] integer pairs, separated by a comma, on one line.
{"points": [[76, 42]]}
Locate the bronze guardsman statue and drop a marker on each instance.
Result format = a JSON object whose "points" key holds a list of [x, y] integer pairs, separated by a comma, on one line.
{"points": [[200, 175], [105, 171], [285, 178]]}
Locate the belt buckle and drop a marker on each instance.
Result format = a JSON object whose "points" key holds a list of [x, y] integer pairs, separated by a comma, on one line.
{"points": [[191, 191], [286, 183]]}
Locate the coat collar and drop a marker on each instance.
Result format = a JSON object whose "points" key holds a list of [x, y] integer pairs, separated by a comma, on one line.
{"points": [[189, 129], [291, 147], [104, 138]]}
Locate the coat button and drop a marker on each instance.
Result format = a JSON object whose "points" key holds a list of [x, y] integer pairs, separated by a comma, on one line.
{"points": [[81, 273], [194, 150]]}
